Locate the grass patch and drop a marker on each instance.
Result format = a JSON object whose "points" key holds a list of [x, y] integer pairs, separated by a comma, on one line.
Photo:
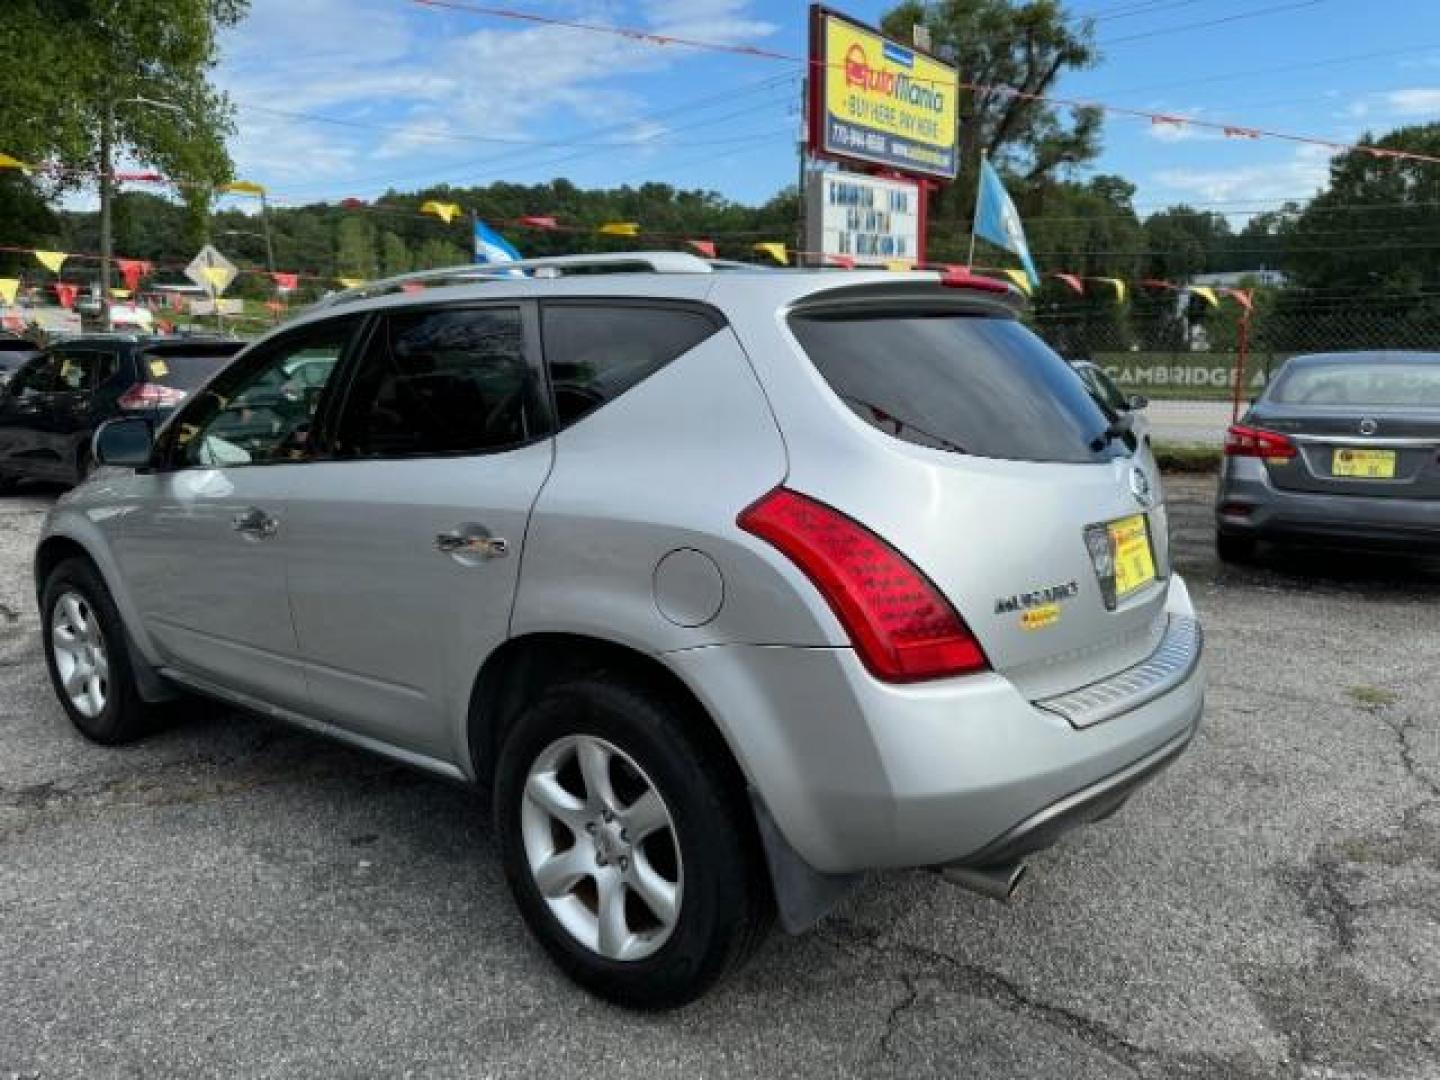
{"points": [[1371, 697], [1187, 457]]}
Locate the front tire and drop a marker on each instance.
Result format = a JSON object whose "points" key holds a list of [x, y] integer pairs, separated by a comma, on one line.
{"points": [[630, 856], [87, 656]]}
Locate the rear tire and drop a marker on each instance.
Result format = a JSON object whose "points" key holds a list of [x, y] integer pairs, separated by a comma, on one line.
{"points": [[1235, 549], [87, 655], [715, 905]]}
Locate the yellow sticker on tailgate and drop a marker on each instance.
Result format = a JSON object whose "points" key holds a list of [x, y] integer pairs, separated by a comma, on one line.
{"points": [[158, 369], [1134, 561]]}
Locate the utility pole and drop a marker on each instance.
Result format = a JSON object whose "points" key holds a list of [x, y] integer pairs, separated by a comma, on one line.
{"points": [[107, 193], [802, 148]]}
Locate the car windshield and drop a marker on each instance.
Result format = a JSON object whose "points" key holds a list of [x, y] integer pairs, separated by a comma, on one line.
{"points": [[1361, 381], [971, 385]]}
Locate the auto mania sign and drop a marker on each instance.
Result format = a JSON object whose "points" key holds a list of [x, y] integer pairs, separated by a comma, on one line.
{"points": [[876, 100]]}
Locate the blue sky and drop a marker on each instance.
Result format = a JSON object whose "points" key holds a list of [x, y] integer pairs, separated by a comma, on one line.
{"points": [[420, 90]]}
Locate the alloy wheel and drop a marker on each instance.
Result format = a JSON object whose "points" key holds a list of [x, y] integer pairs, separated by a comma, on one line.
{"points": [[80, 656], [602, 848]]}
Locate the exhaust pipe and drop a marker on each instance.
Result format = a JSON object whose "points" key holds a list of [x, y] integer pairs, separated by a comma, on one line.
{"points": [[996, 882]]}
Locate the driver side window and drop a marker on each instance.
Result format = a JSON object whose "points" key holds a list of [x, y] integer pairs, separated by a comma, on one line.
{"points": [[263, 410]]}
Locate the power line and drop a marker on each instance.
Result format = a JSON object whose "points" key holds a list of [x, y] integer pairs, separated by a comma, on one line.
{"points": [[1206, 24]]}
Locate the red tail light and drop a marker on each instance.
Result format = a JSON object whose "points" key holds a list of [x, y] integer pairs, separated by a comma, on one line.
{"points": [[901, 626], [1242, 441], [149, 395]]}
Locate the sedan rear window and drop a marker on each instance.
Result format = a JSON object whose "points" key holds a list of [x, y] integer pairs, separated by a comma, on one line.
{"points": [[968, 384], [1360, 382]]}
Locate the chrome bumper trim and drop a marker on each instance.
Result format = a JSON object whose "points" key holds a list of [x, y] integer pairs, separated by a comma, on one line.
{"points": [[1172, 662]]}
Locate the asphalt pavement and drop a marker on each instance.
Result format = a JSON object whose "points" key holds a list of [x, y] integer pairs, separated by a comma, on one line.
{"points": [[232, 898]]}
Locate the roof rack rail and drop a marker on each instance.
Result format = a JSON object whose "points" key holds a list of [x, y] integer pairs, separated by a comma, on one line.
{"points": [[657, 262]]}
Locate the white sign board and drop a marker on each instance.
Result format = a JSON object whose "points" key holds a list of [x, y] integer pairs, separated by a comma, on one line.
{"points": [[864, 218], [212, 271]]}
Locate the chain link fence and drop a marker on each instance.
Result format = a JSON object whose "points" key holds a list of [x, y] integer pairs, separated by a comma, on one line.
{"points": [[1167, 354]]}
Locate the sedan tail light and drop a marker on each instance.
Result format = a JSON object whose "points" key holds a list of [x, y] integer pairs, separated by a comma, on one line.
{"points": [[1242, 441], [901, 626], [149, 395]]}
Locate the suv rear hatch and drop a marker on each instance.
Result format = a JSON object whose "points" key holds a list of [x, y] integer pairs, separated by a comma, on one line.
{"points": [[169, 372], [999, 477]]}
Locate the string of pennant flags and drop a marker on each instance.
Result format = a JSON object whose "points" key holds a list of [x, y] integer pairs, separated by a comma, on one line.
{"points": [[134, 271]]}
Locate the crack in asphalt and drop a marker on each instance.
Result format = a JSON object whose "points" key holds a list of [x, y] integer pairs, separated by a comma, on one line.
{"points": [[977, 981]]}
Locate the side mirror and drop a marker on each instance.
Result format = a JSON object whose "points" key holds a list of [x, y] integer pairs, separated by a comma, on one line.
{"points": [[126, 442], [1137, 402]]}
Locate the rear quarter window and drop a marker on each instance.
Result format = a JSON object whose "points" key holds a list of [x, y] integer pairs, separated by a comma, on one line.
{"points": [[968, 384], [595, 352]]}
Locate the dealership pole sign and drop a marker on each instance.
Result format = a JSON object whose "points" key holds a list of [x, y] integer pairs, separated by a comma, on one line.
{"points": [[876, 101], [862, 219]]}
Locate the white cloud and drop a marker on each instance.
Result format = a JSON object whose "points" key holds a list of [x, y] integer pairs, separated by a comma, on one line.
{"points": [[1415, 101], [444, 83], [1297, 177]]}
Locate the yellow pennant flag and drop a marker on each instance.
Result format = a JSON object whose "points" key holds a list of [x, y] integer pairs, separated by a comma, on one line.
{"points": [[52, 260], [243, 187], [445, 211], [216, 276], [775, 250], [8, 162], [1119, 286], [620, 228], [9, 286], [1020, 278], [1204, 292], [351, 282], [899, 264]]}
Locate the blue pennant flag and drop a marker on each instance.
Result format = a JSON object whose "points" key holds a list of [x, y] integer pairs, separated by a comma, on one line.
{"points": [[997, 220], [491, 247]]}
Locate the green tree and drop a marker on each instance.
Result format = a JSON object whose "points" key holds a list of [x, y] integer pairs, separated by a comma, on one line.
{"points": [[394, 254], [355, 247], [72, 62], [998, 44], [1374, 229], [1182, 242]]}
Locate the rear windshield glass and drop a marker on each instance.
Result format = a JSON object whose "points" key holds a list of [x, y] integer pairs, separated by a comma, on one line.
{"points": [[1360, 382], [972, 385], [184, 371]]}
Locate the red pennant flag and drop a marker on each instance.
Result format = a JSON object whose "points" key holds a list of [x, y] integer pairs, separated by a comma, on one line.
{"points": [[536, 222], [1073, 280], [412, 287], [841, 260], [132, 270], [139, 177], [1242, 297], [66, 293], [285, 281], [704, 247], [352, 203], [1155, 283]]}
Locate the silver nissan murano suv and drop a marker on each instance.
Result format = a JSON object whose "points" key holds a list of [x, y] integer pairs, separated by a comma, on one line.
{"points": [[728, 585]]}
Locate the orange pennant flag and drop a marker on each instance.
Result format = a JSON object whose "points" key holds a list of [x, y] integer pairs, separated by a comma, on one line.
{"points": [[704, 247]]}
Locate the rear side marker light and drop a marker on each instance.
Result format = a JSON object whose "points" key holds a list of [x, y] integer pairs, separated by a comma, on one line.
{"points": [[149, 395], [1243, 441], [903, 629]]}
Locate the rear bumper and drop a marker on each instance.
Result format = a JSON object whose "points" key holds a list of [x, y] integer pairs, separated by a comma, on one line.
{"points": [[861, 775], [1304, 517]]}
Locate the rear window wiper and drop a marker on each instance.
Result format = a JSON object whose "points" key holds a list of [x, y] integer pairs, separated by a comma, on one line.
{"points": [[1118, 428]]}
